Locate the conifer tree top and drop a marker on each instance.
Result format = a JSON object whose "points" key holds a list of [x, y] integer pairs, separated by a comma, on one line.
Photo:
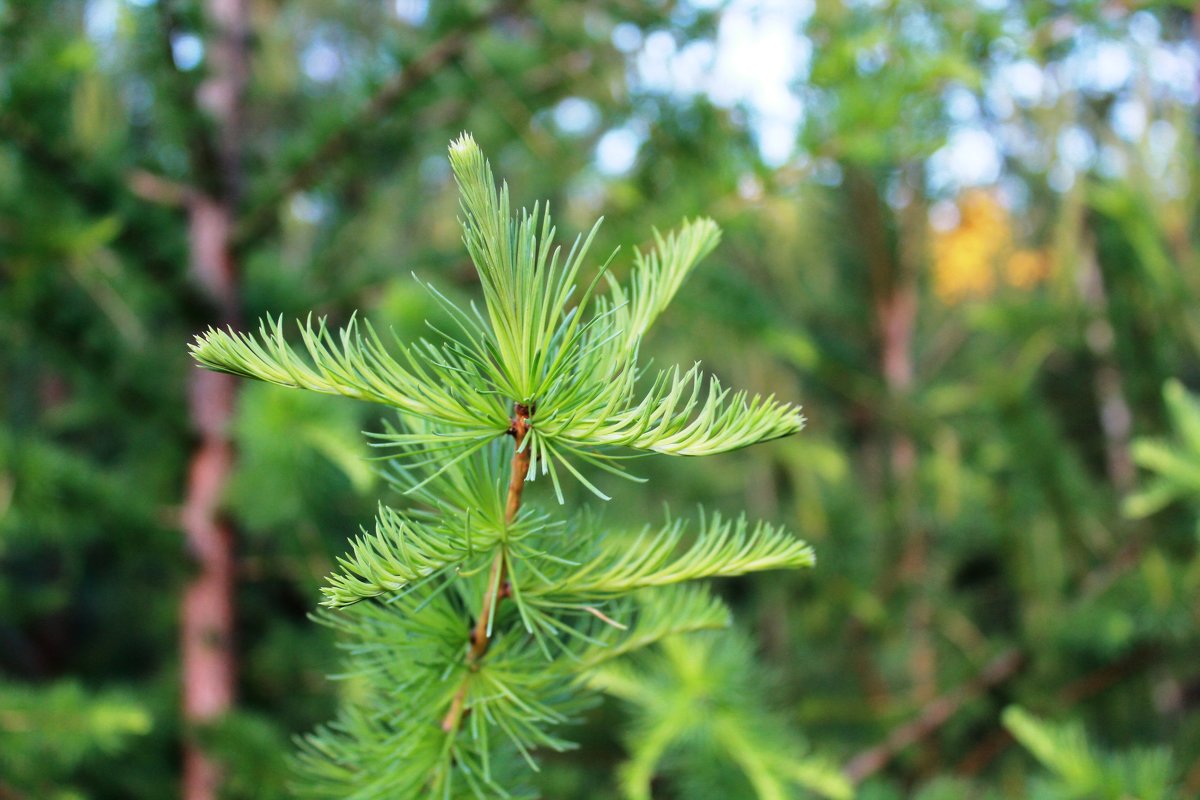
{"points": [[568, 356]]}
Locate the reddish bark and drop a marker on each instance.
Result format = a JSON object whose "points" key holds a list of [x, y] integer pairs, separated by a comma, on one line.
{"points": [[896, 315], [207, 612]]}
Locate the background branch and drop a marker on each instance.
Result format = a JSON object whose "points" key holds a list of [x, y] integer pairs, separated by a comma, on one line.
{"points": [[1079, 690], [262, 218], [933, 717]]}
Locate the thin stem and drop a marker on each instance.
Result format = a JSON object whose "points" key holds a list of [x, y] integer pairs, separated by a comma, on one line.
{"points": [[496, 590], [520, 463]]}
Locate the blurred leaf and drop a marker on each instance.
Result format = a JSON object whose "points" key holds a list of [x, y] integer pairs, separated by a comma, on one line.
{"points": [[1175, 464]]}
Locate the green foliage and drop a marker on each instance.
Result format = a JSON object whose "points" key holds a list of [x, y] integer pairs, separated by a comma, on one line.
{"points": [[722, 547], [47, 732], [699, 715], [466, 711], [1081, 771], [868, 112], [1175, 465], [577, 374], [293, 445], [252, 752]]}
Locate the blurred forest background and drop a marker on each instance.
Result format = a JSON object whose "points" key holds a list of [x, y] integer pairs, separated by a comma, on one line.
{"points": [[963, 235]]}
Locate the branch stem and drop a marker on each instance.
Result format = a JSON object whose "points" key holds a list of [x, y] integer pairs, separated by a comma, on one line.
{"points": [[496, 590]]}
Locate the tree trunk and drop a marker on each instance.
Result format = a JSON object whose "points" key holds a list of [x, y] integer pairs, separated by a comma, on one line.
{"points": [[207, 613]]}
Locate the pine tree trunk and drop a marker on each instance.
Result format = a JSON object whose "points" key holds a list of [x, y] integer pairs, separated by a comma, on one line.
{"points": [[207, 613]]}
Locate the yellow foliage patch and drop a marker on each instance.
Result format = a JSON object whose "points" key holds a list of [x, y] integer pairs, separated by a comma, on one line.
{"points": [[971, 258]]}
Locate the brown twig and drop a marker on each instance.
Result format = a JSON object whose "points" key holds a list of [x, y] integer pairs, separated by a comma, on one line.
{"points": [[520, 463], [496, 590], [933, 717], [1079, 690], [998, 671]]}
